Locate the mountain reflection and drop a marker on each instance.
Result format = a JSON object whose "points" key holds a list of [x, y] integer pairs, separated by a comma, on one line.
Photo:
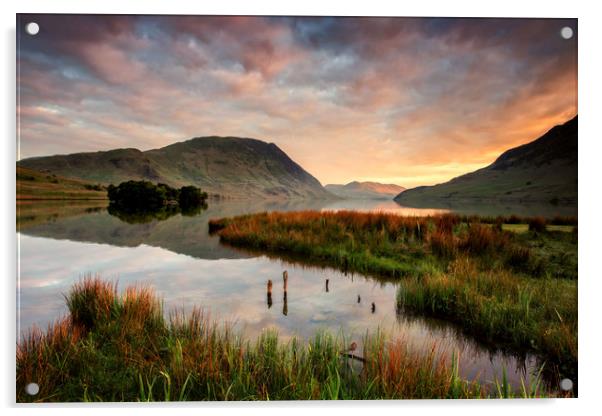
{"points": [[138, 216], [180, 232]]}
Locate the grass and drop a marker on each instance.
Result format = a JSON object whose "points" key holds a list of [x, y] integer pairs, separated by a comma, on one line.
{"points": [[518, 290], [120, 347], [36, 185], [544, 170], [521, 228]]}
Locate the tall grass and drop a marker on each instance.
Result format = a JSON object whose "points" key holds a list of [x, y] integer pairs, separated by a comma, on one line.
{"points": [[394, 246], [129, 352], [519, 290], [500, 307]]}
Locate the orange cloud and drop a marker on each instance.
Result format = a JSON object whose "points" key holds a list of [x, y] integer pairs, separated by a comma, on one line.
{"points": [[403, 100]]}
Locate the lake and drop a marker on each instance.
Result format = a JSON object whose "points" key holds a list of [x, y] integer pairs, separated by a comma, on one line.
{"points": [[61, 242]]}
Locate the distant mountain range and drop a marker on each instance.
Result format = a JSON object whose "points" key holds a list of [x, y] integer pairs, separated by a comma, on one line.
{"points": [[544, 170], [231, 167], [365, 190]]}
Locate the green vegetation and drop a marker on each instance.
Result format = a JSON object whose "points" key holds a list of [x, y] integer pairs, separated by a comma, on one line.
{"points": [[544, 170], [144, 195], [132, 198], [226, 166], [34, 185], [513, 289], [115, 347], [190, 197]]}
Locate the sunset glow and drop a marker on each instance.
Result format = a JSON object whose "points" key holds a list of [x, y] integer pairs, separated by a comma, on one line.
{"points": [[410, 101]]}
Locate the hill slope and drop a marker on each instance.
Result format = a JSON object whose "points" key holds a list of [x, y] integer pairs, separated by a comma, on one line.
{"points": [[229, 166], [32, 184], [544, 170], [365, 190]]}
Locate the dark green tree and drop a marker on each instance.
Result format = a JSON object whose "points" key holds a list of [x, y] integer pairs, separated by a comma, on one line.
{"points": [[191, 196]]}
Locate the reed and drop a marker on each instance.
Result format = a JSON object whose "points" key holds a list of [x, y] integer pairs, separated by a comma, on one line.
{"points": [[394, 246], [130, 353], [537, 224], [515, 289]]}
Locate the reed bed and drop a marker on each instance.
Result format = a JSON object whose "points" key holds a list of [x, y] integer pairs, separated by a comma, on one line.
{"points": [[119, 347], [505, 288], [395, 246]]}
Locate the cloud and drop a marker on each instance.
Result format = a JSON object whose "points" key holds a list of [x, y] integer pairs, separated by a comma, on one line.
{"points": [[347, 98]]}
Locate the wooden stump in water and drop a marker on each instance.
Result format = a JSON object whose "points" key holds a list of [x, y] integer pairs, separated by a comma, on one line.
{"points": [[326, 285], [373, 307], [285, 280], [269, 294], [359, 299], [285, 306]]}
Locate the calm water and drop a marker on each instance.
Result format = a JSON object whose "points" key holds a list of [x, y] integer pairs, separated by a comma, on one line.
{"points": [[60, 243]]}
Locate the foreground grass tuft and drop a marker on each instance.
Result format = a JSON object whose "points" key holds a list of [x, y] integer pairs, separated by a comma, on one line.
{"points": [[116, 347]]}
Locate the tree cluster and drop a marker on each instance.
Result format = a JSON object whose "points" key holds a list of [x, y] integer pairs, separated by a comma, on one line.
{"points": [[146, 196]]}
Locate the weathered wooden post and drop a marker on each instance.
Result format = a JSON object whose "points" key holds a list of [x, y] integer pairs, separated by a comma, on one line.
{"points": [[373, 307], [285, 297], [285, 306], [326, 285], [269, 294], [359, 299]]}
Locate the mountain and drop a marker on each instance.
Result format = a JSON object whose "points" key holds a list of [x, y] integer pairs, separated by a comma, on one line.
{"points": [[544, 170], [231, 167], [365, 190]]}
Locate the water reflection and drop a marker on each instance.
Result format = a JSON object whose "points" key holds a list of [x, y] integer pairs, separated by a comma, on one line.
{"points": [[142, 216], [495, 208], [187, 267], [269, 294]]}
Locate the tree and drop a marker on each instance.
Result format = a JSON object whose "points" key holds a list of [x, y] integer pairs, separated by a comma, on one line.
{"points": [[144, 196], [137, 195], [191, 196]]}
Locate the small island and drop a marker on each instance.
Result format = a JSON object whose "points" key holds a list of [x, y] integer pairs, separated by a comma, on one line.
{"points": [[144, 197]]}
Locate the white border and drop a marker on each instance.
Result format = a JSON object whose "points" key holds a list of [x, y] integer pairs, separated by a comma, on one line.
{"points": [[590, 154]]}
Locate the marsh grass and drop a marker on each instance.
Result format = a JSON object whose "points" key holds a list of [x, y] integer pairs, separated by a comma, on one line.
{"points": [[394, 246], [517, 289], [119, 347]]}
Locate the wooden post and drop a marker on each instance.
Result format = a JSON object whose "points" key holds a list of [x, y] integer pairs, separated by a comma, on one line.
{"points": [[359, 299], [285, 306], [285, 298], [269, 294], [326, 285], [373, 307], [285, 280]]}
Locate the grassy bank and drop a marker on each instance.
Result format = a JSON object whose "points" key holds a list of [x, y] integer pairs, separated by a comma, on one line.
{"points": [[35, 185], [116, 347], [517, 289]]}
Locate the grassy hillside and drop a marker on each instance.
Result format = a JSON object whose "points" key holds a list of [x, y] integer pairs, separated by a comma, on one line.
{"points": [[228, 166], [365, 190], [32, 184], [544, 170]]}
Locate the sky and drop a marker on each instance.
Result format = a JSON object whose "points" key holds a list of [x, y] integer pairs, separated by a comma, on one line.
{"points": [[410, 101]]}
